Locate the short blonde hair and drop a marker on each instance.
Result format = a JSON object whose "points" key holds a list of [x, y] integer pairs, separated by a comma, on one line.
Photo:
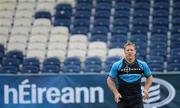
{"points": [[129, 43]]}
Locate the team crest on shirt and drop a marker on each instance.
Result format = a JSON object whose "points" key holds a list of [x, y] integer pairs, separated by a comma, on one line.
{"points": [[127, 69]]}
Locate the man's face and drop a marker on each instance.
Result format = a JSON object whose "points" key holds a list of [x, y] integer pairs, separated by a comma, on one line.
{"points": [[130, 52]]}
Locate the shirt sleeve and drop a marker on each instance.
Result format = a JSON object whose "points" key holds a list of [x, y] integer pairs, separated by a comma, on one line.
{"points": [[147, 71], [114, 70]]}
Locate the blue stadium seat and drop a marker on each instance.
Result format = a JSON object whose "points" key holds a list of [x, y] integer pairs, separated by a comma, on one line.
{"points": [[139, 30], [67, 8], [80, 30], [176, 20], [71, 68], [30, 65], [116, 45], [101, 22], [173, 67], [93, 61], [9, 70], [16, 55], [51, 69], [160, 22], [109, 62], [43, 14], [11, 62], [121, 22], [158, 45], [176, 13], [141, 14], [123, 1], [72, 61], [103, 7], [92, 69], [175, 37], [82, 15], [31, 62], [2, 50], [159, 30], [118, 38], [141, 51], [176, 5], [52, 61], [175, 51], [158, 52], [161, 14], [140, 22], [175, 29], [161, 6], [99, 37], [173, 59], [138, 38], [30, 69], [155, 59], [158, 37], [81, 23], [123, 6], [142, 6], [119, 30], [100, 30], [84, 7], [51, 65], [141, 1], [121, 14], [174, 44], [62, 15], [102, 14], [62, 22], [104, 1], [84, 1], [156, 67]]}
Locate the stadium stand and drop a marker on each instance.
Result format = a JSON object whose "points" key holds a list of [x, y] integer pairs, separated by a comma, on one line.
{"points": [[52, 31]]}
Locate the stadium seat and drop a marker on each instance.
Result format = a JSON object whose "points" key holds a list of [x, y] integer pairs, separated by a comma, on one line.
{"points": [[84, 7], [123, 6], [156, 67], [173, 67], [92, 69], [30, 69], [43, 14], [93, 61], [2, 51], [121, 14], [9, 70], [51, 69], [51, 65], [15, 55], [71, 69], [109, 62], [11, 62], [25, 22], [173, 59], [72, 61]]}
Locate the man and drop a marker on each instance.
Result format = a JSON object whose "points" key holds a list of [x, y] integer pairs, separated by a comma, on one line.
{"points": [[128, 71]]}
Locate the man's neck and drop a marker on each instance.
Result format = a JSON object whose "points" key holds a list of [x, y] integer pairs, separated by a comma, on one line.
{"points": [[130, 60]]}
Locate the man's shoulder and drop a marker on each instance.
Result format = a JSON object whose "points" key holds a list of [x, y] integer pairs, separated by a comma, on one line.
{"points": [[119, 61], [141, 61]]}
